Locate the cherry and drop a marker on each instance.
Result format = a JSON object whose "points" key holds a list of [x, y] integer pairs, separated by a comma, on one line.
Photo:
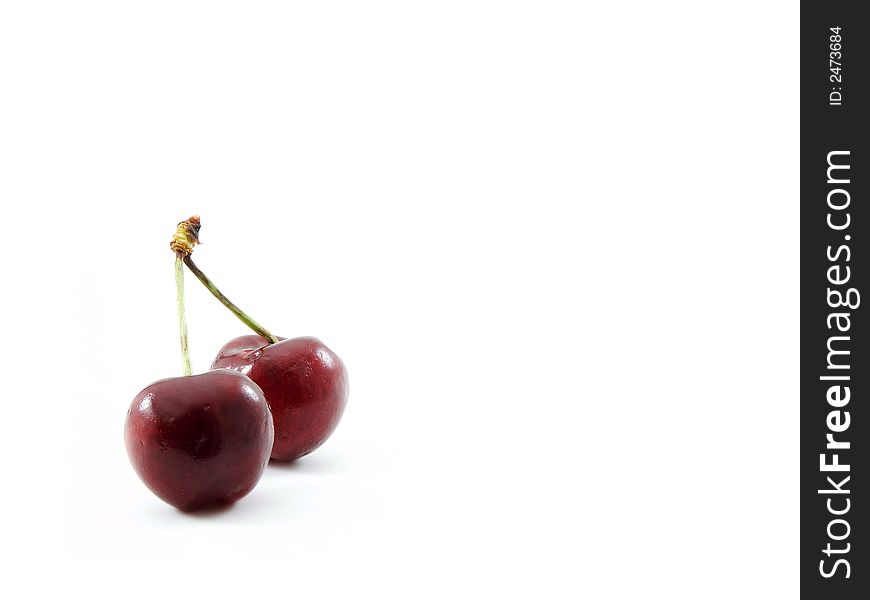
{"points": [[200, 441], [304, 381], [305, 384]]}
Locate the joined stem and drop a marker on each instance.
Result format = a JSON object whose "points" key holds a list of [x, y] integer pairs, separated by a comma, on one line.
{"points": [[182, 321], [243, 317]]}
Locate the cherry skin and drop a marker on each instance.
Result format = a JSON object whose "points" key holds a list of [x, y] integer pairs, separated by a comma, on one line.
{"points": [[305, 385], [201, 440]]}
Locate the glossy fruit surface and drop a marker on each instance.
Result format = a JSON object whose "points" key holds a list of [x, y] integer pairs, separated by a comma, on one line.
{"points": [[200, 441], [305, 384]]}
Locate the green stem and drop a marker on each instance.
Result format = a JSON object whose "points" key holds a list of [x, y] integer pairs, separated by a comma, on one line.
{"points": [[244, 318], [182, 321]]}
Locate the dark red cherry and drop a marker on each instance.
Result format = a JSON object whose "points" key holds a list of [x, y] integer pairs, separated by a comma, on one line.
{"points": [[305, 385], [200, 440]]}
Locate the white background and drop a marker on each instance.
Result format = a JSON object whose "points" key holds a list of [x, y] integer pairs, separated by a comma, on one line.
{"points": [[556, 243]]}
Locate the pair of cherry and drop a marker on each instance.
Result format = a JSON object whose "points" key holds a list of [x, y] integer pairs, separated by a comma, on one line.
{"points": [[204, 440]]}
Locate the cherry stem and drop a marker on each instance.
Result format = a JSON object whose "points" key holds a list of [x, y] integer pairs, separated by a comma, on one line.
{"points": [[243, 317], [182, 321]]}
